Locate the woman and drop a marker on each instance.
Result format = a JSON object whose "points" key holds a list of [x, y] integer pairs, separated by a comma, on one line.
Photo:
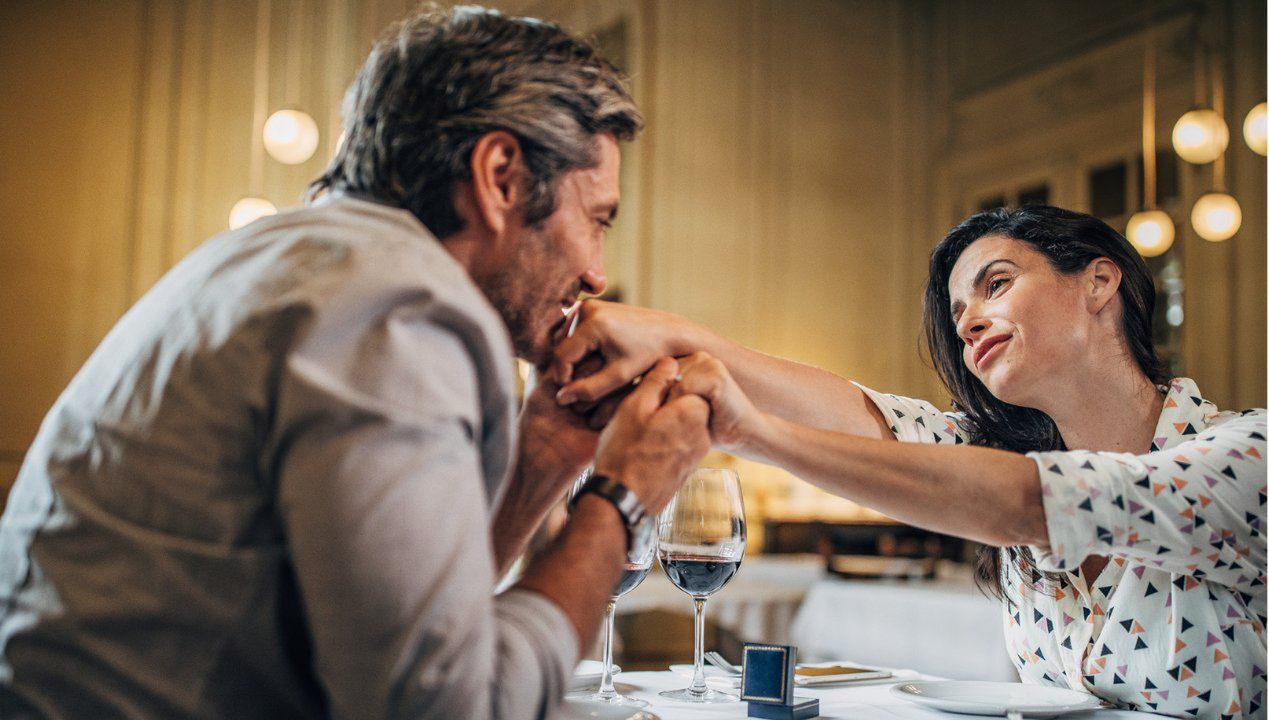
{"points": [[1131, 555]]}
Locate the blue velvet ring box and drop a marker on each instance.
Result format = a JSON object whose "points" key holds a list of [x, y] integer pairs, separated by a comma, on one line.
{"points": [[766, 683]]}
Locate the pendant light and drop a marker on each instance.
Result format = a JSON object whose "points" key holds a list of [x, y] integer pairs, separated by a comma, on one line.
{"points": [[253, 206], [1200, 135], [1254, 129], [290, 135], [1151, 231], [1216, 216]]}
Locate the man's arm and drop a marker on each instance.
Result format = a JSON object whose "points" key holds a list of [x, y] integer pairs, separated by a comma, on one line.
{"points": [[555, 445], [651, 445], [379, 473]]}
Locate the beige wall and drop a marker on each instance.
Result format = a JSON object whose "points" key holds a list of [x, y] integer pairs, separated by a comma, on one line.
{"points": [[801, 160]]}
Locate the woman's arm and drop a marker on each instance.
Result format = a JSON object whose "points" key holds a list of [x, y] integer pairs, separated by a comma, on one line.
{"points": [[990, 496], [987, 495], [630, 339]]}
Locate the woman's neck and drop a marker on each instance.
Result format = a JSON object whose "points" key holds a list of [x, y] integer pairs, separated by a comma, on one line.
{"points": [[1118, 414]]}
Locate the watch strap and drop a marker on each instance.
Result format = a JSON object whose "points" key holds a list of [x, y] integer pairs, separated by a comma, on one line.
{"points": [[622, 498]]}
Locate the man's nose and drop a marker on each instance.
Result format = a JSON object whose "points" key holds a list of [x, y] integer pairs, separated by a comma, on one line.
{"points": [[594, 281]]}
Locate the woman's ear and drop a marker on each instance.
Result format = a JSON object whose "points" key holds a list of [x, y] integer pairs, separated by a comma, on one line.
{"points": [[1102, 278]]}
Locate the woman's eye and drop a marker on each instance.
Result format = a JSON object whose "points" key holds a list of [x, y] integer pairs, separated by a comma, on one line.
{"points": [[994, 285]]}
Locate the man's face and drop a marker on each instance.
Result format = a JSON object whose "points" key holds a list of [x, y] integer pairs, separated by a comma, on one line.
{"points": [[554, 263]]}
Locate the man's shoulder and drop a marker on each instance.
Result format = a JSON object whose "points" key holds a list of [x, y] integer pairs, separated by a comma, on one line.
{"points": [[367, 257]]}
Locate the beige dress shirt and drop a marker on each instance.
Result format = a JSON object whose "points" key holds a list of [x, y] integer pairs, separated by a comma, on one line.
{"points": [[267, 494]]}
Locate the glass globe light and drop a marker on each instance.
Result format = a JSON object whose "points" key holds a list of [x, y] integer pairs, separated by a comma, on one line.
{"points": [[290, 136], [248, 210], [1151, 232], [1254, 129], [1216, 216], [1200, 136]]}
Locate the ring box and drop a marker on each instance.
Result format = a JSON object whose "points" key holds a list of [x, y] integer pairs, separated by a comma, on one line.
{"points": [[766, 683]]}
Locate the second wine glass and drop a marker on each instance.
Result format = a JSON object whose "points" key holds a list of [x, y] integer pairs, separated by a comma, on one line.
{"points": [[635, 568], [701, 541]]}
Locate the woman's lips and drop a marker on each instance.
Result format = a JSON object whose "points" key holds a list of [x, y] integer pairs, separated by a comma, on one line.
{"points": [[989, 349]]}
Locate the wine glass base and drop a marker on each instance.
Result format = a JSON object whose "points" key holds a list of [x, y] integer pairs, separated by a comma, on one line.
{"points": [[709, 696], [616, 700]]}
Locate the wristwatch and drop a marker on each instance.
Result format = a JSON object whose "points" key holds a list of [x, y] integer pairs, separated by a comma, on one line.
{"points": [[639, 530]]}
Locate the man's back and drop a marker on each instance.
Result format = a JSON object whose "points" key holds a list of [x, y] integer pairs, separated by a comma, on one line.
{"points": [[147, 549]]}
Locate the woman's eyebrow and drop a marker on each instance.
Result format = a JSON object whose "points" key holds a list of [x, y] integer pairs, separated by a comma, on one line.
{"points": [[957, 305]]}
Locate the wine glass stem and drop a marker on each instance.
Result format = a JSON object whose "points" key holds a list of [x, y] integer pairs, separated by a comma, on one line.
{"points": [[606, 689], [698, 656]]}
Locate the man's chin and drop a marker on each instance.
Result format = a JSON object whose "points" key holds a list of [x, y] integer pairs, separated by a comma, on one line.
{"points": [[535, 350]]}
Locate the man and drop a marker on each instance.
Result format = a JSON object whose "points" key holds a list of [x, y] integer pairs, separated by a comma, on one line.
{"points": [[268, 492]]}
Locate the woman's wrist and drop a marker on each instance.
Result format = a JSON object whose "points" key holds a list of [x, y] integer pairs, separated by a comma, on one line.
{"points": [[761, 438]]}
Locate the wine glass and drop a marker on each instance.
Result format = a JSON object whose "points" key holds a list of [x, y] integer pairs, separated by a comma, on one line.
{"points": [[701, 535], [635, 568]]}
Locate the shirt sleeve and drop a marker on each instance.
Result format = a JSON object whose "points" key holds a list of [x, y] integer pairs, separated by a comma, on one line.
{"points": [[1196, 509], [378, 467], [913, 420]]}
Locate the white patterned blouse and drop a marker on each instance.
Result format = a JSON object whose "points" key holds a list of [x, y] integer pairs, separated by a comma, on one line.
{"points": [[1175, 623]]}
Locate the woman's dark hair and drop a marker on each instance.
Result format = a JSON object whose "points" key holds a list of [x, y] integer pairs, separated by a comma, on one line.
{"points": [[437, 82], [1070, 241]]}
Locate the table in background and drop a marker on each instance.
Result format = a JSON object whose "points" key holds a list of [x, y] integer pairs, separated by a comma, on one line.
{"points": [[855, 701], [758, 605], [945, 626]]}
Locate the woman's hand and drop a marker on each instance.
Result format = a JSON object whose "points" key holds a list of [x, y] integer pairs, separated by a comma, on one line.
{"points": [[628, 340], [733, 418]]}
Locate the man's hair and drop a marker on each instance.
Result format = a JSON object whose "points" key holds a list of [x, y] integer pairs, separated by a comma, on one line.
{"points": [[1069, 241], [437, 82]]}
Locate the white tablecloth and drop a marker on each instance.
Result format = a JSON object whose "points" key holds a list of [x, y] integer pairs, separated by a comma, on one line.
{"points": [[943, 627], [861, 700], [758, 605]]}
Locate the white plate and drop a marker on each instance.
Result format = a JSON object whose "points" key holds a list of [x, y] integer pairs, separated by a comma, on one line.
{"points": [[995, 698], [590, 672], [574, 709]]}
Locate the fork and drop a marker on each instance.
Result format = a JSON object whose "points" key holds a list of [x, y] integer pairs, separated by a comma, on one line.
{"points": [[721, 663]]}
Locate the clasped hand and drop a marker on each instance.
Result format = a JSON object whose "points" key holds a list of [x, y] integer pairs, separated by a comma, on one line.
{"points": [[614, 345]]}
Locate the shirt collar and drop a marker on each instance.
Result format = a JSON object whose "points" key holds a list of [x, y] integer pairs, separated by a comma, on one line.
{"points": [[1185, 414]]}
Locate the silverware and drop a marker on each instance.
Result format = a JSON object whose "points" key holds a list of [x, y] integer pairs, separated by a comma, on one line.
{"points": [[721, 663]]}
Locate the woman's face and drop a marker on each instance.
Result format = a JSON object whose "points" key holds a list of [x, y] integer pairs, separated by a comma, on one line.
{"points": [[1024, 325]]}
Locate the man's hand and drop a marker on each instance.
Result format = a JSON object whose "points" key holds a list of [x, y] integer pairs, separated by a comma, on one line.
{"points": [[627, 339], [655, 440], [553, 437]]}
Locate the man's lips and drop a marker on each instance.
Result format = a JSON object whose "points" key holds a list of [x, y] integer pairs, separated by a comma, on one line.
{"points": [[986, 346]]}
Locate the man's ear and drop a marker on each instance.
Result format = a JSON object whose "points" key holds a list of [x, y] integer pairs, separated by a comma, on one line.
{"points": [[1102, 278], [497, 180]]}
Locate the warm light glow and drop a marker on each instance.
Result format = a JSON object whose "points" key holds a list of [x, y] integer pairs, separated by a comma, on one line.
{"points": [[1151, 232], [1216, 217], [1254, 129], [1200, 136], [248, 210], [290, 136]]}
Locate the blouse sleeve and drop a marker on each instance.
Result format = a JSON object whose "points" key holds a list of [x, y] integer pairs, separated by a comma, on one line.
{"points": [[1195, 509], [913, 420]]}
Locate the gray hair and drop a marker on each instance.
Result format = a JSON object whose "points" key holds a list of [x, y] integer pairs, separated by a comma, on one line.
{"points": [[437, 82]]}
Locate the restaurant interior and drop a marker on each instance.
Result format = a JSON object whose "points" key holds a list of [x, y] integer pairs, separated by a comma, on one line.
{"points": [[801, 159]]}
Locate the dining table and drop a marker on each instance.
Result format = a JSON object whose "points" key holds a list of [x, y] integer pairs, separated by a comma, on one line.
{"points": [[859, 700]]}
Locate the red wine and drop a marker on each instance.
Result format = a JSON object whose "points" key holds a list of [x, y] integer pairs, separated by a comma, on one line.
{"points": [[699, 575], [631, 576]]}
